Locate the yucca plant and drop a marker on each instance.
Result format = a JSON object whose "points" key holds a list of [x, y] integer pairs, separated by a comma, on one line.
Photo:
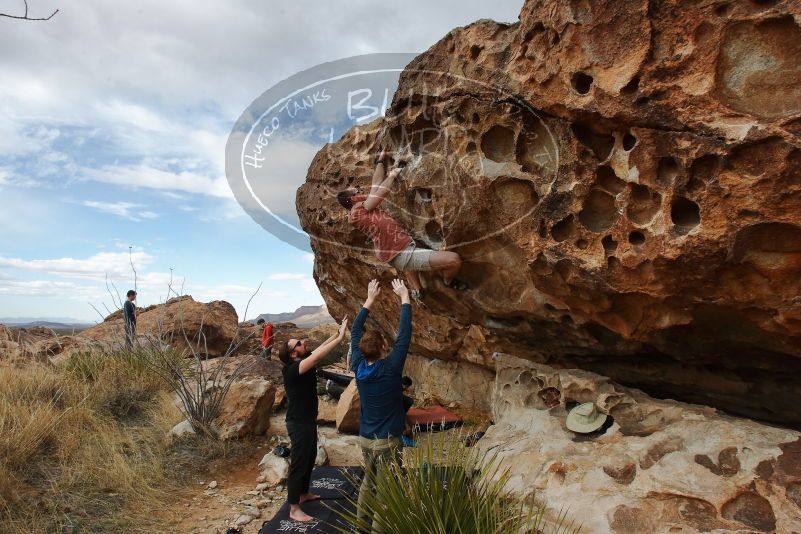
{"points": [[444, 487]]}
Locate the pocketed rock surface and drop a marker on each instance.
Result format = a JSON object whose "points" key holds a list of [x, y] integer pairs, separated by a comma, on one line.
{"points": [[663, 466], [623, 182]]}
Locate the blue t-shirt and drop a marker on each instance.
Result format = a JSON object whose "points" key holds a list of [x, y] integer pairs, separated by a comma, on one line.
{"points": [[379, 384]]}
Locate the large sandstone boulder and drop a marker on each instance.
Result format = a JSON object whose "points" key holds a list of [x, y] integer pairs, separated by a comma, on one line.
{"points": [[623, 181], [185, 324], [663, 466], [246, 409], [248, 403], [243, 366], [348, 411], [59, 348]]}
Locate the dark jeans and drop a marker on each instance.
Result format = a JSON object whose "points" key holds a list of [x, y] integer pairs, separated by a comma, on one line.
{"points": [[130, 335], [303, 439]]}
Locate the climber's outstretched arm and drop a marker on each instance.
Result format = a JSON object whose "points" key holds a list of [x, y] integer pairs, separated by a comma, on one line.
{"points": [[379, 192], [380, 172]]}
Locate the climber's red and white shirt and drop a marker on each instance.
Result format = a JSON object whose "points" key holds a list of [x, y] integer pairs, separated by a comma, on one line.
{"points": [[389, 238]]}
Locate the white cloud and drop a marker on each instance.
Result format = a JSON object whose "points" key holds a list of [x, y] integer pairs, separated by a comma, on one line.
{"points": [[225, 211], [34, 287], [126, 210], [127, 113], [173, 196], [145, 176], [113, 264], [108, 52]]}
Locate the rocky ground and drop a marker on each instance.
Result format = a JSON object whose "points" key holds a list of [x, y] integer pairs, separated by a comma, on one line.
{"points": [[239, 494], [662, 465], [231, 496]]}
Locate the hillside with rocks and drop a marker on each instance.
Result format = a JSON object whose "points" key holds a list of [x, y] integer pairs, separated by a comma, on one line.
{"points": [[303, 317]]}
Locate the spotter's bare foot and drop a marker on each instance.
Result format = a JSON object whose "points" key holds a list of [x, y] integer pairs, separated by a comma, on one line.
{"points": [[308, 497], [296, 514]]}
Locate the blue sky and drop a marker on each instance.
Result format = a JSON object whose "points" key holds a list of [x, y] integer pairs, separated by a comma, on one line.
{"points": [[113, 123]]}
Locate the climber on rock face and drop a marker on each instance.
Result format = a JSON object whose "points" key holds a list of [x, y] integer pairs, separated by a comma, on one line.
{"points": [[392, 243]]}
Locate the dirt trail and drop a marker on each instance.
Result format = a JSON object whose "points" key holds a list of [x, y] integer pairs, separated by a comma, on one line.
{"points": [[211, 511], [205, 510]]}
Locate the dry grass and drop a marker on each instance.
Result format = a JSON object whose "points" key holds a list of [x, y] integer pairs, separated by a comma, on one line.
{"points": [[83, 444]]}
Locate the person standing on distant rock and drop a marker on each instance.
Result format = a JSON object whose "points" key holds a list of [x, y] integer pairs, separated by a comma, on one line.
{"points": [[392, 243], [266, 338], [129, 319], [300, 383], [380, 384]]}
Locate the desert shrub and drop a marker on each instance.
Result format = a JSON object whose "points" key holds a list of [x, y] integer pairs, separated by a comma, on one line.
{"points": [[83, 444], [443, 487], [200, 389], [123, 384]]}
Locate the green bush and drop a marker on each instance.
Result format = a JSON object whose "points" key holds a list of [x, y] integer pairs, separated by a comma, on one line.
{"points": [[444, 487]]}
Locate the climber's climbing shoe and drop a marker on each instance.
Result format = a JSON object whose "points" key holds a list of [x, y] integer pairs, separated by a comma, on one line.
{"points": [[417, 295], [458, 285]]}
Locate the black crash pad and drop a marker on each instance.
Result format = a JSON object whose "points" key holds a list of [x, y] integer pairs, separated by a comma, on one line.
{"points": [[337, 490]]}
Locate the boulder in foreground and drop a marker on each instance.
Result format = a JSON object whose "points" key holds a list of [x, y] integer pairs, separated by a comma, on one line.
{"points": [[246, 409], [663, 466], [348, 409]]}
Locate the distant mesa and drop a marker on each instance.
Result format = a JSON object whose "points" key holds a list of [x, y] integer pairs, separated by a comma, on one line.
{"points": [[58, 324]]}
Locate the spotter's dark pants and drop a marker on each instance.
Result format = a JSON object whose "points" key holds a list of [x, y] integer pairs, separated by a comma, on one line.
{"points": [[303, 439], [130, 335]]}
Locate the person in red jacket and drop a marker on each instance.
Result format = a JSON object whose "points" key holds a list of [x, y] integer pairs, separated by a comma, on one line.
{"points": [[392, 243], [266, 338]]}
